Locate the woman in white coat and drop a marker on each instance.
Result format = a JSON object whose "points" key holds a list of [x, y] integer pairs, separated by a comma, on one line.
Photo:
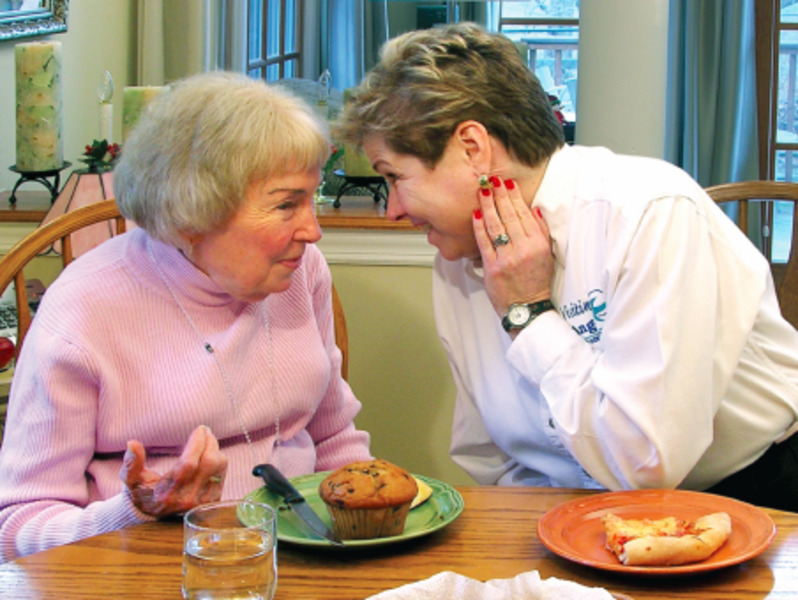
{"points": [[606, 324]]}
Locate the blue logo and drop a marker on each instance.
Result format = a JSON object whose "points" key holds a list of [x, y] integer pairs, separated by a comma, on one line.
{"points": [[586, 316], [598, 304]]}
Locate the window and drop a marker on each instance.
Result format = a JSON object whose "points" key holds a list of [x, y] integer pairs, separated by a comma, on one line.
{"points": [[777, 79], [783, 165], [274, 39], [550, 31]]}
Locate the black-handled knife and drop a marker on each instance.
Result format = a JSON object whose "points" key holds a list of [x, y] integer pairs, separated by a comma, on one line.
{"points": [[277, 483]]}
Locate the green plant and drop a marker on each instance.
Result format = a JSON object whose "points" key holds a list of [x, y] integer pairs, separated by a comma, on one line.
{"points": [[100, 155]]}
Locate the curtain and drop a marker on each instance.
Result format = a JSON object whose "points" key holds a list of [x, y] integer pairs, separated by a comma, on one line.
{"points": [[711, 128], [355, 32], [226, 35]]}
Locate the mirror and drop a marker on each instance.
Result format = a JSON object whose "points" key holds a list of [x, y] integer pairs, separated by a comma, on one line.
{"points": [[26, 18]]}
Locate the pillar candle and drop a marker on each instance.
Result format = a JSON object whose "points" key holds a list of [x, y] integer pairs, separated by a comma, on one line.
{"points": [[134, 102], [40, 145], [106, 121], [356, 163]]}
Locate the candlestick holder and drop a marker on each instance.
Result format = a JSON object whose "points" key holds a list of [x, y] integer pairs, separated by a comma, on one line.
{"points": [[377, 186], [39, 177]]}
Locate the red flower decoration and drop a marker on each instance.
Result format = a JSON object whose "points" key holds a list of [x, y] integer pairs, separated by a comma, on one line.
{"points": [[101, 155], [556, 105]]}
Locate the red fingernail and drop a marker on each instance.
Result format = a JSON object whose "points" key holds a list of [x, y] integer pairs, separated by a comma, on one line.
{"points": [[538, 213], [484, 191], [495, 181], [508, 183], [477, 214]]}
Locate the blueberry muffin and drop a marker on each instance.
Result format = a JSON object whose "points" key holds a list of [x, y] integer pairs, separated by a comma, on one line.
{"points": [[368, 499]]}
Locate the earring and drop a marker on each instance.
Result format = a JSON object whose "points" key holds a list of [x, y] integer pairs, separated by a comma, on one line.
{"points": [[484, 182]]}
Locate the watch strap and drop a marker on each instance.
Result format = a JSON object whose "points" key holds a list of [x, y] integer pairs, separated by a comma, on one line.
{"points": [[535, 310]]}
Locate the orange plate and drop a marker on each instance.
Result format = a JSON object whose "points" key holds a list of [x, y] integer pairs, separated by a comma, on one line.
{"points": [[574, 529]]}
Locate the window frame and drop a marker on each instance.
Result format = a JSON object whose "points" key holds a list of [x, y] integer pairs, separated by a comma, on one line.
{"points": [[537, 22], [263, 63], [531, 61], [768, 28]]}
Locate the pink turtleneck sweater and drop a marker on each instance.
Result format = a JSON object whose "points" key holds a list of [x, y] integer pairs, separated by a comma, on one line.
{"points": [[111, 357]]}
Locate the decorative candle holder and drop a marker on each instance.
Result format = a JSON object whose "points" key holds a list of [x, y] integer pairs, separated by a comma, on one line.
{"points": [[39, 177], [377, 186]]}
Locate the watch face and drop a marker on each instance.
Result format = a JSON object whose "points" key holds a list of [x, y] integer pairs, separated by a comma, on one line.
{"points": [[518, 314]]}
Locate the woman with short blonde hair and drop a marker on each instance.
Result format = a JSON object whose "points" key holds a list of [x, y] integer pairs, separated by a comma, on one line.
{"points": [[165, 364]]}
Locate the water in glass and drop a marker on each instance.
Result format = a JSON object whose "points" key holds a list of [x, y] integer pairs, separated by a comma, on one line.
{"points": [[229, 563]]}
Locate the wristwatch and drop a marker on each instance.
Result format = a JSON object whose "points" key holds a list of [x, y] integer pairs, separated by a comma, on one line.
{"points": [[520, 315]]}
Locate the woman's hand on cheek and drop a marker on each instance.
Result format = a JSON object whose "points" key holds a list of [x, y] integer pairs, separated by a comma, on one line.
{"points": [[521, 269], [196, 478]]}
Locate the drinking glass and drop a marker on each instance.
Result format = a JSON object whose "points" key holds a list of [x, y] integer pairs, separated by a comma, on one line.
{"points": [[230, 551]]}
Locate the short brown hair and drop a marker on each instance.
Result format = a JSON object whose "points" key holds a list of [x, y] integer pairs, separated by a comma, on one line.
{"points": [[429, 81]]}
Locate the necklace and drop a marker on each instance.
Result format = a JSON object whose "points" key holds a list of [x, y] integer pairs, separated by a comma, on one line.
{"points": [[223, 373]]}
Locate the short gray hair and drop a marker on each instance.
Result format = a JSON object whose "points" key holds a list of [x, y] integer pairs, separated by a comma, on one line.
{"points": [[187, 163], [429, 81]]}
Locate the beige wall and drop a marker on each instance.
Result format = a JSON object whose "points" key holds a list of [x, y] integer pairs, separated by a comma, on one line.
{"points": [[184, 38], [397, 367]]}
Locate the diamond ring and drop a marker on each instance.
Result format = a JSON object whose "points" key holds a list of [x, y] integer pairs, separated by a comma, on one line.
{"points": [[501, 240]]}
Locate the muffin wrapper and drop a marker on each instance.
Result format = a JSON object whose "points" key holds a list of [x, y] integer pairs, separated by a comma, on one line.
{"points": [[366, 523]]}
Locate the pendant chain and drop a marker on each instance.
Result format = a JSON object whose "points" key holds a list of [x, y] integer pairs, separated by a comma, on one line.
{"points": [[223, 373]]}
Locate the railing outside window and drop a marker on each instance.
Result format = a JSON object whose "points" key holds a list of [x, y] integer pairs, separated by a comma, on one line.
{"points": [[549, 36]]}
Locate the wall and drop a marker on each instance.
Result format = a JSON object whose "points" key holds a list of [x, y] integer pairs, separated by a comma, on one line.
{"points": [[623, 51], [184, 38], [100, 35], [397, 367]]}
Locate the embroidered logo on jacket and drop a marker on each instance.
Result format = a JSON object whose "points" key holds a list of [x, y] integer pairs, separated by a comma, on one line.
{"points": [[587, 317]]}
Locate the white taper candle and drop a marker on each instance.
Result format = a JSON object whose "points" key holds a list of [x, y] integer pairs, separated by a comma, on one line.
{"points": [[106, 121]]}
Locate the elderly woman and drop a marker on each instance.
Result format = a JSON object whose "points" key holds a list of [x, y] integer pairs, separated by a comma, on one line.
{"points": [[607, 325], [165, 364]]}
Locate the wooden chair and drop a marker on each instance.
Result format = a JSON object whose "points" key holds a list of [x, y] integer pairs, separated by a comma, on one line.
{"points": [[59, 230], [341, 335], [13, 264], [785, 276]]}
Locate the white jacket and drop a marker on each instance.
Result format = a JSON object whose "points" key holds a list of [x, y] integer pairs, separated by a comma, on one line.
{"points": [[669, 363]]}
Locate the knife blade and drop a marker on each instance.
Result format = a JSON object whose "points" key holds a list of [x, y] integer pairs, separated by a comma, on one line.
{"points": [[278, 484]]}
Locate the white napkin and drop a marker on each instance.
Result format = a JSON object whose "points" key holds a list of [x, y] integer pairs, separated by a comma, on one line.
{"points": [[526, 586]]}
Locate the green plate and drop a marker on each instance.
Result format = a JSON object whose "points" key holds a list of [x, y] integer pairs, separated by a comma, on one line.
{"points": [[443, 507]]}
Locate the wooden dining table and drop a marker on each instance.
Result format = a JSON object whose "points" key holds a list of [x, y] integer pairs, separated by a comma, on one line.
{"points": [[494, 537]]}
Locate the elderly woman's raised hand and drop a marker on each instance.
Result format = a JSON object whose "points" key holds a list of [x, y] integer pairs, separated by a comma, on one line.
{"points": [[196, 478], [514, 242]]}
